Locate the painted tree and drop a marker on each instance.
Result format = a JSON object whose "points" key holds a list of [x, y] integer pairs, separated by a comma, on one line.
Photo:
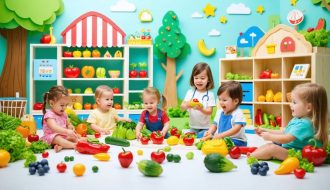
{"points": [[16, 19], [324, 3], [170, 44]]}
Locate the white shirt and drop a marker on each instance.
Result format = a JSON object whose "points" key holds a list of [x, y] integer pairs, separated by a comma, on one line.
{"points": [[198, 120]]}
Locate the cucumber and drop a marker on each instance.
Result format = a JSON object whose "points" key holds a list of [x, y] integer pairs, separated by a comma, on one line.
{"points": [[150, 168], [117, 141], [217, 163]]}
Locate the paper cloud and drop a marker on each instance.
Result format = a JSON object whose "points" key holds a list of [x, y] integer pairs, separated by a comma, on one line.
{"points": [[196, 14], [239, 8], [145, 16], [123, 6], [214, 32], [243, 41]]}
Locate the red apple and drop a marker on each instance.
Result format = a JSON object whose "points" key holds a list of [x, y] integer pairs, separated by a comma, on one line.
{"points": [[133, 74], [45, 39], [143, 74]]}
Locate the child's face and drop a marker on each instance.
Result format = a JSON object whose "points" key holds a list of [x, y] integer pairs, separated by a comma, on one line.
{"points": [[105, 102], [150, 102], [227, 103], [59, 105], [201, 80], [299, 107]]}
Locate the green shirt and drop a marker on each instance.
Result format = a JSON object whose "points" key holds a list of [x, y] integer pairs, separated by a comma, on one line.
{"points": [[302, 129]]}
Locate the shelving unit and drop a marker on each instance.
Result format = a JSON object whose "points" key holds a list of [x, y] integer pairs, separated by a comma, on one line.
{"points": [[130, 88], [282, 64]]}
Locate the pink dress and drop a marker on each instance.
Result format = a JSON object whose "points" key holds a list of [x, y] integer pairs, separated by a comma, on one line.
{"points": [[61, 121]]}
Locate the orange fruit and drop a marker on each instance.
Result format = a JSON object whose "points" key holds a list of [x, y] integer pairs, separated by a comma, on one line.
{"points": [[81, 129], [23, 130], [79, 169], [4, 158]]}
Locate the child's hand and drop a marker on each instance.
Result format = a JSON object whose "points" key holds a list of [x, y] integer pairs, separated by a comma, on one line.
{"points": [[207, 135], [138, 135], [163, 133], [218, 136], [71, 133], [258, 130], [266, 136], [105, 131]]}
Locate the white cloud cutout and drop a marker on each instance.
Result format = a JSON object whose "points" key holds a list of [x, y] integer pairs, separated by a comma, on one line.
{"points": [[146, 17], [123, 6], [243, 41], [214, 32], [253, 34], [196, 14], [239, 8]]}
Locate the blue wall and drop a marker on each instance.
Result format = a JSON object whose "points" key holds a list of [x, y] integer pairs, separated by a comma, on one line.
{"points": [[194, 29]]}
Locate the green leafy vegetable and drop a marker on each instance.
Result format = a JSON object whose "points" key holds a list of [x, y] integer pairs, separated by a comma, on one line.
{"points": [[177, 112], [234, 76], [29, 158], [14, 143], [251, 160], [93, 140], [8, 122], [303, 163], [39, 146], [319, 38], [327, 161]]}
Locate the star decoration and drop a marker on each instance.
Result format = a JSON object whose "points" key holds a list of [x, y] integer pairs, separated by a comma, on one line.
{"points": [[294, 2], [260, 9], [209, 10], [223, 19]]}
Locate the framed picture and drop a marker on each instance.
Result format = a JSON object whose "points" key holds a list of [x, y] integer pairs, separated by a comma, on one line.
{"points": [[299, 71], [231, 51]]}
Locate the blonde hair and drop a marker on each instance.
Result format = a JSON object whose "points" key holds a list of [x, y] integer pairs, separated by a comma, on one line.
{"points": [[316, 95], [101, 89], [153, 91]]}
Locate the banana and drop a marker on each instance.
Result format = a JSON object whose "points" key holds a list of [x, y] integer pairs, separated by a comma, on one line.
{"points": [[204, 50]]}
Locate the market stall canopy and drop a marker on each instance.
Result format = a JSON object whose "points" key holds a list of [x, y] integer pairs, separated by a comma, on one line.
{"points": [[93, 29]]}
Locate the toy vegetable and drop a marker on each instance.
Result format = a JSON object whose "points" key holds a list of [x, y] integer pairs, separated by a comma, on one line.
{"points": [[313, 154], [265, 74], [246, 149], [89, 148], [156, 137], [215, 146], [258, 118], [102, 156], [287, 166]]}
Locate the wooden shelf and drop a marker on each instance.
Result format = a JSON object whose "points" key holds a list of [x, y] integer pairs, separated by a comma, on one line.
{"points": [[135, 91], [266, 80], [237, 80], [269, 103], [137, 79], [94, 58], [73, 94], [92, 79], [297, 80]]}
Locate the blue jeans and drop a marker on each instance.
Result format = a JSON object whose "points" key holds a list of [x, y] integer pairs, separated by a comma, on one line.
{"points": [[199, 132], [238, 142]]}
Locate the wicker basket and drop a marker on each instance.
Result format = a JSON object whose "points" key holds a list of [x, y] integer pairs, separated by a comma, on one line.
{"points": [[13, 106], [288, 97]]}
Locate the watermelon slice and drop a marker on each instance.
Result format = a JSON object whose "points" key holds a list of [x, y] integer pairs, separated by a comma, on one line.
{"points": [[321, 24]]}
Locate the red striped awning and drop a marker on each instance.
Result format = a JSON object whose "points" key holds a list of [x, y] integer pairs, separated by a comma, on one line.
{"points": [[93, 29]]}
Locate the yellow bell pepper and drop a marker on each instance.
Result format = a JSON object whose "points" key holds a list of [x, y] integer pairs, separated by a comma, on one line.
{"points": [[172, 140], [287, 166], [215, 146], [102, 156]]}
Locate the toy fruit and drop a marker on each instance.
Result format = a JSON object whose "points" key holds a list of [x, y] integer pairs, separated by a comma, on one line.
{"points": [[287, 166], [313, 154], [278, 97], [278, 120], [114, 73], [88, 71], [107, 54], [4, 158], [204, 50], [100, 72], [77, 106], [77, 90], [117, 106], [275, 76], [167, 149], [38, 106], [269, 96], [190, 155], [96, 53], [67, 54], [195, 102], [87, 53], [133, 73], [142, 72], [88, 91], [97, 135], [76, 53], [215, 146], [79, 169], [235, 152], [33, 138], [116, 90], [125, 158], [139, 152], [23, 130], [45, 39], [299, 173], [102, 156], [87, 106], [261, 98], [144, 140], [71, 72], [156, 137], [265, 74], [172, 140], [118, 53], [81, 129], [45, 154], [61, 167], [188, 139], [158, 156], [176, 158]]}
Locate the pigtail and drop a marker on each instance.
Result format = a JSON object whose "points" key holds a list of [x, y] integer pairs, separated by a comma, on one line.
{"points": [[44, 105]]}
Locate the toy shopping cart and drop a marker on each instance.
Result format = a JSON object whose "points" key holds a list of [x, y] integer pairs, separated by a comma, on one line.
{"points": [[15, 107]]}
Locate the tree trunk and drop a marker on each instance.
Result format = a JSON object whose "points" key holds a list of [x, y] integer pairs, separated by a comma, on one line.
{"points": [[13, 77], [170, 83], [326, 5]]}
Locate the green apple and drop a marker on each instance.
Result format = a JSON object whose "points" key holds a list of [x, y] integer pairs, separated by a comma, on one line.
{"points": [[88, 90]]}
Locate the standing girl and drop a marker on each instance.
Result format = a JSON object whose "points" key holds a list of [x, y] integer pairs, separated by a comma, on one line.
{"points": [[310, 118], [199, 101], [155, 119], [58, 131]]}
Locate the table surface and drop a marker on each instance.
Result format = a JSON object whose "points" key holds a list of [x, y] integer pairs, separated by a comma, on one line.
{"points": [[188, 174]]}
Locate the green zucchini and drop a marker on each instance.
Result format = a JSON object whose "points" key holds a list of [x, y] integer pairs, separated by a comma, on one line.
{"points": [[150, 168], [217, 163], [116, 141]]}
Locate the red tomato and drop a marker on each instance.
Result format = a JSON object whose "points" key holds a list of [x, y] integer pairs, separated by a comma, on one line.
{"points": [[188, 140], [97, 135], [67, 54], [143, 74], [125, 158], [45, 154], [299, 173], [46, 38], [38, 106], [174, 131], [116, 90], [235, 152], [156, 138], [144, 140], [87, 106], [61, 167], [158, 156], [133, 74], [33, 138], [71, 72]]}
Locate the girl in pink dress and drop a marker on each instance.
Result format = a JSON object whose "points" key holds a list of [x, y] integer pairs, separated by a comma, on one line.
{"points": [[58, 131]]}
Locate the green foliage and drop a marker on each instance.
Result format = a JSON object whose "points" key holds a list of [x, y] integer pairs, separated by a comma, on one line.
{"points": [[315, 2], [39, 146], [318, 38], [33, 15], [303, 162], [170, 41], [327, 161], [14, 143], [8, 122]]}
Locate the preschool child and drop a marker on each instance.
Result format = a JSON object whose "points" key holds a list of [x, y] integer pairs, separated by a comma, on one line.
{"points": [[154, 118], [229, 121], [310, 118], [199, 101], [103, 119], [58, 131]]}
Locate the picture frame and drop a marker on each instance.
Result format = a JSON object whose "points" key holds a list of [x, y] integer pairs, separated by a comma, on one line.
{"points": [[299, 71], [231, 51]]}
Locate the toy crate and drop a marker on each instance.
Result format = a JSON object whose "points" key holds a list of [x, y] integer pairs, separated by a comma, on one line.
{"points": [[15, 107]]}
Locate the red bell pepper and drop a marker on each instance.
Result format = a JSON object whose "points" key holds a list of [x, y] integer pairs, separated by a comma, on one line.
{"points": [[313, 154], [84, 147], [38, 106], [258, 118], [278, 120], [144, 140], [246, 149], [156, 137], [235, 152], [265, 74], [158, 156], [188, 139], [125, 158]]}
